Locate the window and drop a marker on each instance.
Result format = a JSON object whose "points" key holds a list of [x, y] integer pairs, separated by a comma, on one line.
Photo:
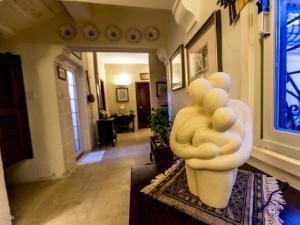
{"points": [[74, 110], [279, 112], [287, 106]]}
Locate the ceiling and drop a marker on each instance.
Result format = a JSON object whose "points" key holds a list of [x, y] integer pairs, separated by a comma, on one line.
{"points": [[153, 4], [123, 58], [18, 15]]}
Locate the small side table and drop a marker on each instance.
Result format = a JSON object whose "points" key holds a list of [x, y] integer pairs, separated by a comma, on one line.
{"points": [[106, 131], [160, 153]]}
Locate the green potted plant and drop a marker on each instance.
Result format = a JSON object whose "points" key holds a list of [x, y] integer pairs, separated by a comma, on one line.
{"points": [[160, 124]]}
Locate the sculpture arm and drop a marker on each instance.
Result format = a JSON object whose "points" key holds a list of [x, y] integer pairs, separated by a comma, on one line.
{"points": [[187, 150], [203, 151], [228, 142], [233, 144], [238, 158], [224, 162]]}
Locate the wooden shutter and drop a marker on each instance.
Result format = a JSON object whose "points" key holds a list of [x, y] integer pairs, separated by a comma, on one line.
{"points": [[15, 140]]}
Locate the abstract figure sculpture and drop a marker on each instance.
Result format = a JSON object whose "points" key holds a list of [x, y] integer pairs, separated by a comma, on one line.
{"points": [[214, 136]]}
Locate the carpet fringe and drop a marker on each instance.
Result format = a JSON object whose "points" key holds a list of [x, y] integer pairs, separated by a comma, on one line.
{"points": [[272, 211], [161, 177]]}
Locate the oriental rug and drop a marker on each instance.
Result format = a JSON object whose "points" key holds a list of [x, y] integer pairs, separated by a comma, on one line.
{"points": [[250, 192]]}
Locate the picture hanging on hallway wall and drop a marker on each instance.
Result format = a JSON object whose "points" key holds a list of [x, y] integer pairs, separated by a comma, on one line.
{"points": [[204, 50], [77, 54], [145, 76], [177, 69], [122, 94], [161, 89], [61, 73]]}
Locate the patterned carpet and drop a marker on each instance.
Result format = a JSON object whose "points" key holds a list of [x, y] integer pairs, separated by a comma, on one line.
{"points": [[250, 192]]}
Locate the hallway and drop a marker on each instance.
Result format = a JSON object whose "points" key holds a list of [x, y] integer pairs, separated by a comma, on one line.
{"points": [[95, 194]]}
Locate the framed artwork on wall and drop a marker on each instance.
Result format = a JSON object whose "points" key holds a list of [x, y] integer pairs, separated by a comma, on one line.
{"points": [[77, 54], [122, 94], [177, 69], [61, 73], [204, 50], [145, 76], [161, 89]]}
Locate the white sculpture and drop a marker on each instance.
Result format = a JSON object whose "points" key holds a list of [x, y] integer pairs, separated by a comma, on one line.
{"points": [[214, 136]]}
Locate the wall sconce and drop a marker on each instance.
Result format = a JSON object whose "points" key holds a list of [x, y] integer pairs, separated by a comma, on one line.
{"points": [[122, 79]]}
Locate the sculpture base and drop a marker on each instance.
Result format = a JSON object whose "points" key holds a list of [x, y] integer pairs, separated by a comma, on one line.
{"points": [[212, 187]]}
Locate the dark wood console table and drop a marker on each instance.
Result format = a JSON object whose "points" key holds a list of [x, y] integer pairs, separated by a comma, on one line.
{"points": [[147, 211], [106, 131], [124, 123]]}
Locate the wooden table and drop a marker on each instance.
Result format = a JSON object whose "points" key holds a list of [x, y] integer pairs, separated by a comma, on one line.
{"points": [[159, 154], [124, 123], [147, 211]]}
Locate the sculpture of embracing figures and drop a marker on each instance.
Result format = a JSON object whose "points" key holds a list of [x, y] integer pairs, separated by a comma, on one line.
{"points": [[214, 136]]}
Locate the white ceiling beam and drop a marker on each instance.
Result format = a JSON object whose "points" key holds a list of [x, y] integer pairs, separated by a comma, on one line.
{"points": [[154, 4], [79, 11]]}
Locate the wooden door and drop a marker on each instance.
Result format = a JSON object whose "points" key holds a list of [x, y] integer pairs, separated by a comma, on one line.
{"points": [[15, 140], [143, 104]]}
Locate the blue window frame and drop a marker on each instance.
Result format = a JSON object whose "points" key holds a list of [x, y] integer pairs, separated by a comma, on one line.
{"points": [[287, 104]]}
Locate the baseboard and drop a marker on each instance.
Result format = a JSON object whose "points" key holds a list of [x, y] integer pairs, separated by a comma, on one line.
{"points": [[280, 166]]}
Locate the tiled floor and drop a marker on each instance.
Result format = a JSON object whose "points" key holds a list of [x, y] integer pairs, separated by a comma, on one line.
{"points": [[95, 194]]}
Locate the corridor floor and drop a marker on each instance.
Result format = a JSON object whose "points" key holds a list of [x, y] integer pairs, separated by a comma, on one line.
{"points": [[95, 194]]}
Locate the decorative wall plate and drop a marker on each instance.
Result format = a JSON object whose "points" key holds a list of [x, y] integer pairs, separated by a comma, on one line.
{"points": [[90, 32], [151, 33], [133, 35], [67, 31], [113, 33]]}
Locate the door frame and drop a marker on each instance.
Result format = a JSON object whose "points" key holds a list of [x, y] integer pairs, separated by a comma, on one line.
{"points": [[136, 93]]}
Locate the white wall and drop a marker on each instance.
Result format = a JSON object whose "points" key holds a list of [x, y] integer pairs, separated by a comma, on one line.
{"points": [[91, 115], [102, 76], [157, 74], [4, 207]]}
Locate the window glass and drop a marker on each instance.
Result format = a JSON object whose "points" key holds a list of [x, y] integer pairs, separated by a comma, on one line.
{"points": [[74, 110], [288, 65]]}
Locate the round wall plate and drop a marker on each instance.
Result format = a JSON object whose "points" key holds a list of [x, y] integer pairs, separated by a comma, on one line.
{"points": [[133, 35], [90, 32], [113, 33], [151, 33], [67, 31]]}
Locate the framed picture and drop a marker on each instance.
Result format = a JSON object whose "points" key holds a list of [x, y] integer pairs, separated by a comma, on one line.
{"points": [[161, 89], [122, 94], [145, 76], [204, 50], [77, 54], [177, 69], [61, 73]]}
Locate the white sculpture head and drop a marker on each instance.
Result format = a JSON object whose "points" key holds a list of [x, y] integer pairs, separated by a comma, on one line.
{"points": [[223, 119], [220, 80], [214, 99], [197, 90]]}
